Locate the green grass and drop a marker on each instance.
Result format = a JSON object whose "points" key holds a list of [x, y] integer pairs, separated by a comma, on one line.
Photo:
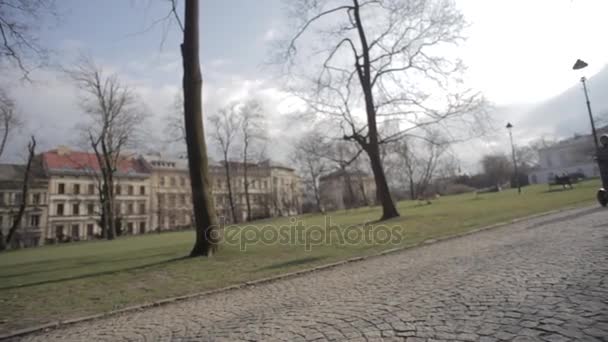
{"points": [[50, 283]]}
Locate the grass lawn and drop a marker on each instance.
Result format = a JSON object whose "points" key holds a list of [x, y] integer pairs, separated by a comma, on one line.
{"points": [[58, 282]]}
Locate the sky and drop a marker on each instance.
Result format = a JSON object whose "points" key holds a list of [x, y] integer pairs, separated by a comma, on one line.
{"points": [[519, 53]]}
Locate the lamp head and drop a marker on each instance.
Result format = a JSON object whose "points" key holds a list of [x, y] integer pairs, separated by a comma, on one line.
{"points": [[579, 65], [509, 126]]}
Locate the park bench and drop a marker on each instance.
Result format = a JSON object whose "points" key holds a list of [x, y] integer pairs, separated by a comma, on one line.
{"points": [[564, 181]]}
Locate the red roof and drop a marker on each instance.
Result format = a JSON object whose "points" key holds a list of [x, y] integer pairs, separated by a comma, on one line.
{"points": [[77, 161]]}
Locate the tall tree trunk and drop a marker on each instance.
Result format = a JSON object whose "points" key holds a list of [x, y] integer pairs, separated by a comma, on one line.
{"points": [[4, 136], [229, 184], [204, 212], [24, 192], [372, 148], [246, 179]]}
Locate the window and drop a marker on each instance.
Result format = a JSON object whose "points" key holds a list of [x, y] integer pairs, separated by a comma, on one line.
{"points": [[18, 198], [76, 188], [75, 209], [182, 181], [90, 209], [142, 208], [142, 227], [265, 184], [35, 198], [2, 202], [173, 182], [162, 181], [130, 227], [130, 210], [172, 201], [59, 209], [90, 230], [182, 199], [91, 189], [75, 231], [61, 188], [35, 221], [131, 190], [1, 221], [59, 232], [118, 189], [142, 190]]}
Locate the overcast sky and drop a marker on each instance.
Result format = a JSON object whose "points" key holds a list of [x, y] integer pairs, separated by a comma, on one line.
{"points": [[519, 53]]}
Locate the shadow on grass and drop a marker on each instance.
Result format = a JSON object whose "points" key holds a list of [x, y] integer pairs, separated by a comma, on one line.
{"points": [[79, 265], [94, 274], [295, 262]]}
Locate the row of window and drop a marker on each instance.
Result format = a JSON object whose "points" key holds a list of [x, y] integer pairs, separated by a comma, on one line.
{"points": [[32, 220], [173, 200], [129, 208], [172, 181], [15, 198], [80, 232], [77, 189], [240, 184]]}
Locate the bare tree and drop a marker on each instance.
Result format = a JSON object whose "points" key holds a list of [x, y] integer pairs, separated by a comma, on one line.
{"points": [[420, 161], [116, 116], [253, 131], [307, 152], [381, 58], [20, 21], [226, 127], [31, 147], [8, 119]]}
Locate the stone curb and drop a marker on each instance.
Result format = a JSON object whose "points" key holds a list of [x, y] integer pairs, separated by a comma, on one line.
{"points": [[140, 307]]}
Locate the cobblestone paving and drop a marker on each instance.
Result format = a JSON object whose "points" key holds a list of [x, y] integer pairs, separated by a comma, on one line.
{"points": [[542, 280]]}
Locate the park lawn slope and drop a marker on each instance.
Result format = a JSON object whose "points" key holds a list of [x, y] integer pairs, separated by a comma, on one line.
{"points": [[52, 283]]}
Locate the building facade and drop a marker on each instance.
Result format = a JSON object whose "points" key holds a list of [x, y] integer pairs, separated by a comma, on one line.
{"points": [[170, 193], [30, 231], [73, 196], [347, 189], [152, 194], [570, 156]]}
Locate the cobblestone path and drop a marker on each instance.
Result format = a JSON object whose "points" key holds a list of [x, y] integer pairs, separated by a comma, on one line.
{"points": [[541, 280]]}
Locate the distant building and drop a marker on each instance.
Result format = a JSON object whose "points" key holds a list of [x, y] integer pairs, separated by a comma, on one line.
{"points": [[73, 187], [33, 222], [573, 155], [347, 189], [170, 195], [152, 193]]}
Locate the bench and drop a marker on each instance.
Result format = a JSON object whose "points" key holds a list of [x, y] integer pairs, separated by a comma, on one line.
{"points": [[564, 181]]}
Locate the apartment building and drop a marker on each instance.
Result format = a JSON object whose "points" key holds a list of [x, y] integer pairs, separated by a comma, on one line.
{"points": [[347, 189], [170, 193], [30, 231], [274, 190], [73, 195]]}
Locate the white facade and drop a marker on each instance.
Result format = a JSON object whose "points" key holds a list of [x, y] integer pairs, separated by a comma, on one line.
{"points": [[574, 155]]}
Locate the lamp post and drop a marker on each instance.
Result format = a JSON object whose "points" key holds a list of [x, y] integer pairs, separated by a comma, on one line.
{"points": [[509, 127], [577, 66], [601, 155]]}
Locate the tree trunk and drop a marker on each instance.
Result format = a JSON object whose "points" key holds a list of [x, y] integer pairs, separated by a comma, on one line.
{"points": [[246, 180], [204, 212], [24, 191], [229, 184], [372, 148]]}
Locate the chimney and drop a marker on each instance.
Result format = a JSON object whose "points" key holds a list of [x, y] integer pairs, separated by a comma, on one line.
{"points": [[63, 150]]}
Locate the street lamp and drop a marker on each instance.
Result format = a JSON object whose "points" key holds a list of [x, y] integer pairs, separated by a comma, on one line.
{"points": [[577, 66], [509, 127], [600, 155]]}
